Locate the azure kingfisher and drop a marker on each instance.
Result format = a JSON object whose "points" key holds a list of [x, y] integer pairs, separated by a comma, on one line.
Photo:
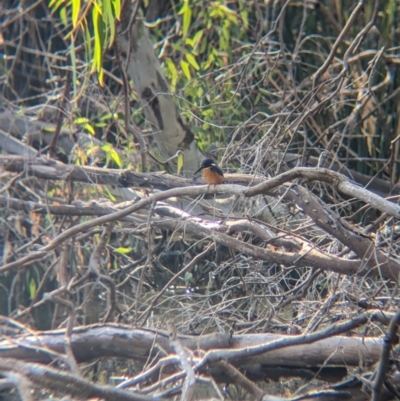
{"points": [[210, 172]]}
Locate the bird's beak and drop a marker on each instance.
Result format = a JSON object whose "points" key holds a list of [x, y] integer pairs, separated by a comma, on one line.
{"points": [[198, 171]]}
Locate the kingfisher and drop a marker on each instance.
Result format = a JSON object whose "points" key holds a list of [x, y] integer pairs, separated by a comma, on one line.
{"points": [[210, 172]]}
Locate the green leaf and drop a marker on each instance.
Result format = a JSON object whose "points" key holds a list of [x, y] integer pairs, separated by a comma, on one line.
{"points": [[55, 4], [226, 33], [189, 278], [179, 163], [391, 8], [49, 128], [123, 250], [73, 65], [63, 16], [117, 8], [187, 18], [99, 28], [112, 154], [245, 18], [208, 113], [107, 116], [174, 73], [109, 20], [81, 120], [76, 7], [87, 41], [90, 129], [222, 41], [115, 156], [203, 46], [209, 62], [109, 194], [32, 288], [229, 13], [79, 88], [197, 38], [185, 69], [192, 61], [216, 13]]}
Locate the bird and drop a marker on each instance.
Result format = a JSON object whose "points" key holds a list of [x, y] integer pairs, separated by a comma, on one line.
{"points": [[211, 173]]}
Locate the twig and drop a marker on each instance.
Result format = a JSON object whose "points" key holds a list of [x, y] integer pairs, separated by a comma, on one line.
{"points": [[389, 340]]}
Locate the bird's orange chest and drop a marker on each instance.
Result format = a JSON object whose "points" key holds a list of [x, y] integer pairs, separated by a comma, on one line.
{"points": [[212, 177]]}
